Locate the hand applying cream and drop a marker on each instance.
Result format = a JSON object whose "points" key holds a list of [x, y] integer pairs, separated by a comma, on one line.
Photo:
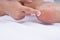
{"points": [[16, 10]]}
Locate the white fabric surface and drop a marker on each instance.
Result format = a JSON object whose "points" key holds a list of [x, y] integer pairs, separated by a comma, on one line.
{"points": [[27, 30]]}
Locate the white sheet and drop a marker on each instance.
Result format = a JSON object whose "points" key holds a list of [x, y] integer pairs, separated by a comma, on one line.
{"points": [[27, 29]]}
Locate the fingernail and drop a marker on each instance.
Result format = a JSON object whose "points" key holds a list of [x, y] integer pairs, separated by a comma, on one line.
{"points": [[39, 13]]}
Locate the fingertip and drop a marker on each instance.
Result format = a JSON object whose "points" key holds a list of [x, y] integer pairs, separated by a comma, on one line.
{"points": [[39, 13]]}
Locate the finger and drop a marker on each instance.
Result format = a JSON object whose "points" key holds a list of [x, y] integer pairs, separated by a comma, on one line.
{"points": [[17, 15], [29, 10]]}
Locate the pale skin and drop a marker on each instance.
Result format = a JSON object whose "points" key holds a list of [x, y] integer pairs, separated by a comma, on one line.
{"points": [[50, 12], [15, 9]]}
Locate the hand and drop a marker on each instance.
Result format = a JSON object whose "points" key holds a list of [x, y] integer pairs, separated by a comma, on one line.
{"points": [[16, 10]]}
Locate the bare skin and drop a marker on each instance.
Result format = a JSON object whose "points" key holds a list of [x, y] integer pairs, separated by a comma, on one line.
{"points": [[34, 4], [1, 12], [15, 9], [50, 12], [19, 0]]}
